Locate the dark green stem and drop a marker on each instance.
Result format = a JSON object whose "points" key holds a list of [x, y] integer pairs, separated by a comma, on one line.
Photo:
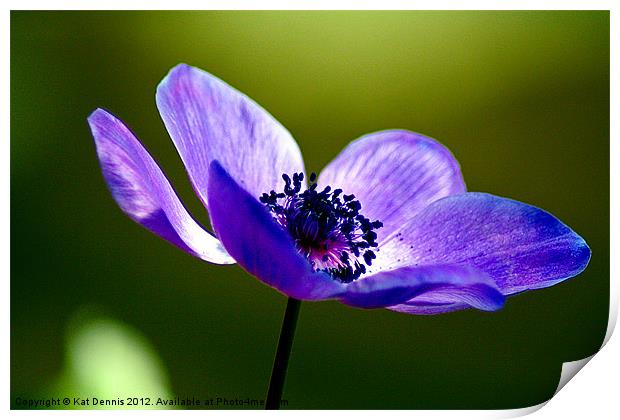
{"points": [[283, 353]]}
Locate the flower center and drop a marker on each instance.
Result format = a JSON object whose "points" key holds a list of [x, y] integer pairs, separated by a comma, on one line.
{"points": [[327, 227]]}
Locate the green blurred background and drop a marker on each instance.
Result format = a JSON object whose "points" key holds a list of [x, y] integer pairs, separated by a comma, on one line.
{"points": [[101, 307]]}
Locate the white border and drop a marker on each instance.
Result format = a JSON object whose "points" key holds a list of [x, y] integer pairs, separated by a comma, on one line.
{"points": [[593, 394], [311, 5]]}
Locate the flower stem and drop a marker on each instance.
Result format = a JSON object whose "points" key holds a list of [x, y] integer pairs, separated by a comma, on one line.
{"points": [[283, 353]]}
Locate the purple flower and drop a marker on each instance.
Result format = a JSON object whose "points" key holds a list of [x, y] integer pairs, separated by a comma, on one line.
{"points": [[388, 223]]}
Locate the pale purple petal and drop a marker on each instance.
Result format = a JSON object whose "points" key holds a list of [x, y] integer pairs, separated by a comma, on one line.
{"points": [[520, 246], [394, 174], [209, 120], [142, 191], [445, 284], [421, 307], [259, 244]]}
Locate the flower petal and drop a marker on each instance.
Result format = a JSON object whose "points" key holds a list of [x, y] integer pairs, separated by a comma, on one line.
{"points": [[209, 120], [394, 174], [520, 246], [142, 191], [259, 244], [446, 284], [414, 307]]}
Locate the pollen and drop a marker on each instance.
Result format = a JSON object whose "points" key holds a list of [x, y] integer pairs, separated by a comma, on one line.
{"points": [[326, 226]]}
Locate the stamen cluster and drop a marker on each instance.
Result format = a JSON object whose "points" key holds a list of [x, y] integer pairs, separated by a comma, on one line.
{"points": [[326, 225]]}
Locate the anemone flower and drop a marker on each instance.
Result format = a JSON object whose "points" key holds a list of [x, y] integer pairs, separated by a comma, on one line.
{"points": [[387, 224]]}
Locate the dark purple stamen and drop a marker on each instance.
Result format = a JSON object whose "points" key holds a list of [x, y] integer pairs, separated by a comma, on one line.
{"points": [[327, 230]]}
